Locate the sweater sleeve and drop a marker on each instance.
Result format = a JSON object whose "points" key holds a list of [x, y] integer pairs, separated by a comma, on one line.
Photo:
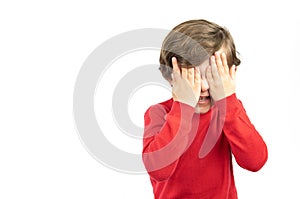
{"points": [[247, 146], [166, 137]]}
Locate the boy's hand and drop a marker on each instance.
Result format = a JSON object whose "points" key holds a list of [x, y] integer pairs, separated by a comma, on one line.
{"points": [[221, 80], [186, 84]]}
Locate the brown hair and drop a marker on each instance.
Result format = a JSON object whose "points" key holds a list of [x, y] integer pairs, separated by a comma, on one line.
{"points": [[192, 42]]}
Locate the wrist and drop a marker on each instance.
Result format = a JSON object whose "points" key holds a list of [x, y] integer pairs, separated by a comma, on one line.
{"points": [[218, 96]]}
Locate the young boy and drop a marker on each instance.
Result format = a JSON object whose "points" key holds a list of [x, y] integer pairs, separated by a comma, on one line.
{"points": [[189, 140]]}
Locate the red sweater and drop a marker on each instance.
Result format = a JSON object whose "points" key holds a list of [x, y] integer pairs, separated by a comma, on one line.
{"points": [[189, 155]]}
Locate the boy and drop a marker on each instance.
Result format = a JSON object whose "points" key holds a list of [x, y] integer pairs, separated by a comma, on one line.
{"points": [[189, 140]]}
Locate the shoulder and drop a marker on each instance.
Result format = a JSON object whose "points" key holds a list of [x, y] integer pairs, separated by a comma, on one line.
{"points": [[161, 108]]}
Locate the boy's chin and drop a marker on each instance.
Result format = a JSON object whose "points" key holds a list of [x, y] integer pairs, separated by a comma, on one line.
{"points": [[202, 109]]}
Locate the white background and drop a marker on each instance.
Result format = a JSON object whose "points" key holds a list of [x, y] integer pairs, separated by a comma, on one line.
{"points": [[43, 46]]}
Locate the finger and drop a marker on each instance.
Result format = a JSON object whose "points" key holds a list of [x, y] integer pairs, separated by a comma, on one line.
{"points": [[214, 69], [184, 73], [219, 62], [197, 76], [176, 70], [175, 65], [191, 75], [208, 75], [224, 61]]}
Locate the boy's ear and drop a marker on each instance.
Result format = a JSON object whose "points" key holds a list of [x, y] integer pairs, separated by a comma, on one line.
{"points": [[171, 80]]}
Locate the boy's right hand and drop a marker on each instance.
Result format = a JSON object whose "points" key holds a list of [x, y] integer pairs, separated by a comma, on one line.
{"points": [[186, 84]]}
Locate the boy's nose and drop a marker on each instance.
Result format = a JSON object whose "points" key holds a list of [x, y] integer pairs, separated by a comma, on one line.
{"points": [[204, 85]]}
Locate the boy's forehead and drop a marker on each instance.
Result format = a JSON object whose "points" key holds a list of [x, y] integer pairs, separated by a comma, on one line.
{"points": [[203, 66]]}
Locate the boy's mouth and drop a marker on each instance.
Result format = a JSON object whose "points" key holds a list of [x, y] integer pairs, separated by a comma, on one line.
{"points": [[204, 99]]}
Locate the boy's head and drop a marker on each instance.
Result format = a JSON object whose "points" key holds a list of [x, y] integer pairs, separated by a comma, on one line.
{"points": [[192, 42]]}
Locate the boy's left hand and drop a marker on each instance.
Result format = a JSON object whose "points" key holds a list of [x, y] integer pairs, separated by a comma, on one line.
{"points": [[221, 79]]}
